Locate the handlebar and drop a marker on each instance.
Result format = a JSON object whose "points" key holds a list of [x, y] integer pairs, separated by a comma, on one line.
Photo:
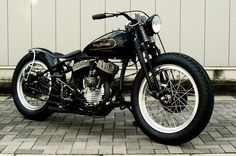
{"points": [[107, 15], [102, 16]]}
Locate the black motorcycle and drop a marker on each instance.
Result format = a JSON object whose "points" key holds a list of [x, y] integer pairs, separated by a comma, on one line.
{"points": [[171, 96]]}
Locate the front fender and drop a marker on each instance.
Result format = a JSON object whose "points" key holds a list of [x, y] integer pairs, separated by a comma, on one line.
{"points": [[45, 53]]}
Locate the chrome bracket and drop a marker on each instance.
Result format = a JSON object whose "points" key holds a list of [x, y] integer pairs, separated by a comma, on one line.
{"points": [[34, 56]]}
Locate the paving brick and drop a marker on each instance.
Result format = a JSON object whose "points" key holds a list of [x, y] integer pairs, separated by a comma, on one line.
{"points": [[25, 139], [106, 138], [228, 148], [206, 138], [79, 145], [28, 151], [38, 147], [93, 142], [8, 138], [218, 142], [22, 125], [7, 128], [174, 149], [207, 146], [227, 138], [130, 132], [38, 131], [49, 151], [141, 152], [11, 143], [217, 151], [140, 136], [108, 125], [233, 143], [215, 134], [56, 138], [105, 151], [161, 151], [108, 147], [42, 141], [71, 134], [187, 145], [119, 149], [60, 132], [2, 147], [83, 132], [76, 151], [96, 128], [223, 131], [64, 150], [132, 146], [10, 149], [26, 145], [197, 151]]}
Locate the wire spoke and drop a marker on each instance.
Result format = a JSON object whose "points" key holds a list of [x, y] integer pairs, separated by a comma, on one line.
{"points": [[176, 109], [176, 114], [34, 94], [180, 97]]}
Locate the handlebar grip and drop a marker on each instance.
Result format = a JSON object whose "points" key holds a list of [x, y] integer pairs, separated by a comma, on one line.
{"points": [[99, 16]]}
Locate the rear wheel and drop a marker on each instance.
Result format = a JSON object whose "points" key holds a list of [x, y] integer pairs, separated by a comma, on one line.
{"points": [[31, 97], [184, 104]]}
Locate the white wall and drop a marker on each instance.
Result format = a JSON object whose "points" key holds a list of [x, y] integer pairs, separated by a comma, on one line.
{"points": [[204, 29]]}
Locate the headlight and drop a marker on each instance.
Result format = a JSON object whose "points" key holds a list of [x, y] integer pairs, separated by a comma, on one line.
{"points": [[154, 24]]}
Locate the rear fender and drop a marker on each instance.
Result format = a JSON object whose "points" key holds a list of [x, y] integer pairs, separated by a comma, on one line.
{"points": [[44, 53]]}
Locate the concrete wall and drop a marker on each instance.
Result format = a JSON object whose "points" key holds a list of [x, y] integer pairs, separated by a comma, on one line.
{"points": [[203, 29]]}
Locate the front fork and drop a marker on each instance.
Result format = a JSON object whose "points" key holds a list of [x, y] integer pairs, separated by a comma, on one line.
{"points": [[153, 84]]}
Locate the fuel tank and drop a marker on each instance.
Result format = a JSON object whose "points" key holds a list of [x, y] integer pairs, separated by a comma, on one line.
{"points": [[115, 44]]}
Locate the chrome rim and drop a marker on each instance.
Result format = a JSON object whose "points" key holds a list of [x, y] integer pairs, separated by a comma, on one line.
{"points": [[178, 101], [33, 102]]}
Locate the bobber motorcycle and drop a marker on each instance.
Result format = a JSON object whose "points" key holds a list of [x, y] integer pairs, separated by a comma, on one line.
{"points": [[171, 96]]}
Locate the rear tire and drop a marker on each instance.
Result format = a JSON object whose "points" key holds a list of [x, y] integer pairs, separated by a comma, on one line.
{"points": [[27, 108], [167, 131]]}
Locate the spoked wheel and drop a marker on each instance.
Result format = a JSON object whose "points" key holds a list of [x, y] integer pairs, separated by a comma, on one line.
{"points": [[171, 112], [31, 94], [184, 104]]}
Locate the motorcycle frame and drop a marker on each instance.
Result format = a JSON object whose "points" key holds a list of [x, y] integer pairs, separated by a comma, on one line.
{"points": [[51, 59], [141, 45]]}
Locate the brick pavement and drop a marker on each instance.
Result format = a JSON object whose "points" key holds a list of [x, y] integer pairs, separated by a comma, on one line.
{"points": [[114, 134]]}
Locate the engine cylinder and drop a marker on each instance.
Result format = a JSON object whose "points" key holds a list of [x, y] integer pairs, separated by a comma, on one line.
{"points": [[94, 96], [107, 70]]}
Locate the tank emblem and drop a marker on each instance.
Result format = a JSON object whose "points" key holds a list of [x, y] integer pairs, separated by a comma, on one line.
{"points": [[104, 44]]}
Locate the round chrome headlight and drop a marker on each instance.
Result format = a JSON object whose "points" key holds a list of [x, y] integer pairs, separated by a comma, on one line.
{"points": [[154, 24]]}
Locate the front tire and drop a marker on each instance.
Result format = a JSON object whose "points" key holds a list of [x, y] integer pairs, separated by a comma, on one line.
{"points": [[30, 103], [184, 104]]}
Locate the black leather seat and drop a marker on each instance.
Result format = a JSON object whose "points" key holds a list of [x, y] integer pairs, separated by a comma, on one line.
{"points": [[71, 54]]}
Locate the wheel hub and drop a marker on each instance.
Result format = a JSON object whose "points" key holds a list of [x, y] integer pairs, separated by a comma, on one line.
{"points": [[166, 99], [173, 103]]}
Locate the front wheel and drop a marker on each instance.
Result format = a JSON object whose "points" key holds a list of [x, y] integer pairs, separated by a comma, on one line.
{"points": [[184, 104]]}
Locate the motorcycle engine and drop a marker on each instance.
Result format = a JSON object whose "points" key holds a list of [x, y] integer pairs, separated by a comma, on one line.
{"points": [[90, 77], [93, 96]]}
